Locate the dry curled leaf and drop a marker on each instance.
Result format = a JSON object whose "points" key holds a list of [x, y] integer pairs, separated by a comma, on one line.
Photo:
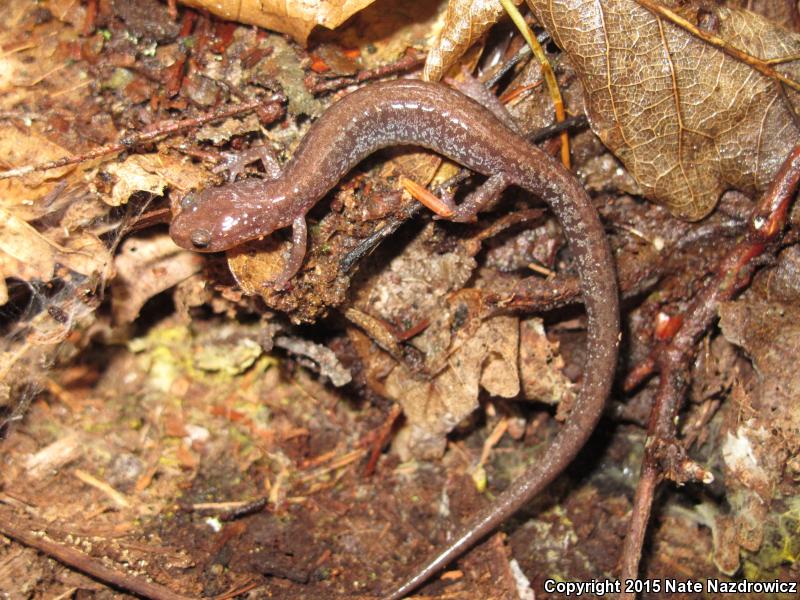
{"points": [[465, 21], [24, 253], [151, 173], [28, 255], [687, 120], [295, 18], [145, 267]]}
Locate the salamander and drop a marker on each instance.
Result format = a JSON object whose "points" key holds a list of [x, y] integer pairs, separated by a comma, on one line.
{"points": [[444, 120]]}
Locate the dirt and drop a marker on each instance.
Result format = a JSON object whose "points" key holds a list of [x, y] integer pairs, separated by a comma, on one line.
{"points": [[172, 419]]}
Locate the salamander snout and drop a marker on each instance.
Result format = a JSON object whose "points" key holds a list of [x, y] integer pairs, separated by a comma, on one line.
{"points": [[194, 226]]}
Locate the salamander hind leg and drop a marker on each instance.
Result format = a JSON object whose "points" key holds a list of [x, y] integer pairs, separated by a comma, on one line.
{"points": [[296, 254], [481, 198]]}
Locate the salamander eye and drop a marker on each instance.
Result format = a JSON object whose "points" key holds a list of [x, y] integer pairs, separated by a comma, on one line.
{"points": [[201, 238], [188, 201]]}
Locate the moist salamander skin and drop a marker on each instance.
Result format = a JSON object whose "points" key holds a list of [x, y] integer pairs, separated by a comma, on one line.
{"points": [[439, 118]]}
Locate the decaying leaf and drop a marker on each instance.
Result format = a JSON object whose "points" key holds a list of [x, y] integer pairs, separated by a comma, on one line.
{"points": [[461, 350], [465, 21], [687, 120], [28, 255], [541, 367], [317, 357], [762, 427], [294, 18], [151, 173], [146, 267], [767, 331], [486, 357]]}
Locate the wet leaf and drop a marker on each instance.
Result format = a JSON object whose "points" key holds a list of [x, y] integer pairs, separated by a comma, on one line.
{"points": [[687, 120]]}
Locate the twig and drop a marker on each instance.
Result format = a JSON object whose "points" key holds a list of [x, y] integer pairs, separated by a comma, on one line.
{"points": [[237, 591], [664, 456], [272, 109], [760, 65], [117, 497], [9, 526], [380, 437], [635, 277], [247, 508], [547, 73]]}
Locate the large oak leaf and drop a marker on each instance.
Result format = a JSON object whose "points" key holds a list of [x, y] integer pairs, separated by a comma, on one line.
{"points": [[687, 120]]}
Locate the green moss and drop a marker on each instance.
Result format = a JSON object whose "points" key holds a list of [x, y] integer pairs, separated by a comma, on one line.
{"points": [[119, 78], [169, 352], [781, 546]]}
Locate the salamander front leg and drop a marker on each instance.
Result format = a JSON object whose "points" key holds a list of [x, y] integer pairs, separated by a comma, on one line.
{"points": [[484, 197], [296, 254], [235, 162]]}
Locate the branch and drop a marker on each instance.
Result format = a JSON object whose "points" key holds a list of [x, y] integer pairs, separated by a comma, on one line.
{"points": [[664, 456], [9, 526]]}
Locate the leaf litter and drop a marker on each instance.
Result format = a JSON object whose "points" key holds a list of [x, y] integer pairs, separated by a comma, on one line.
{"points": [[137, 372]]}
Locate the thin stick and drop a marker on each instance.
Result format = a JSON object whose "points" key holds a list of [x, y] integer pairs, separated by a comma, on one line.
{"points": [[83, 563], [320, 85], [760, 65], [664, 455], [547, 72], [272, 105]]}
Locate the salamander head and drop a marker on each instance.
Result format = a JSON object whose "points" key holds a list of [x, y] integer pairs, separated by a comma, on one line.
{"points": [[220, 218]]}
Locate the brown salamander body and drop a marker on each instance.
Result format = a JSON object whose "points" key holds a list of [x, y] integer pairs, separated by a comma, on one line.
{"points": [[447, 122]]}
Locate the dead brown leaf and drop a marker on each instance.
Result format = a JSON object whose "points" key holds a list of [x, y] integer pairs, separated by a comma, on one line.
{"points": [[294, 18], [255, 265], [687, 120], [762, 426], [24, 253], [541, 367], [465, 21], [151, 173], [146, 267], [462, 350], [28, 255], [483, 357], [24, 196]]}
